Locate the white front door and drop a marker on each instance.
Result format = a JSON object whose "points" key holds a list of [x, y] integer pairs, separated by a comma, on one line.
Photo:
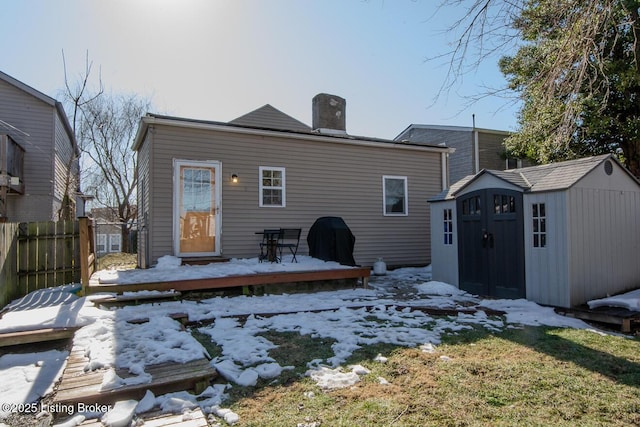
{"points": [[196, 212]]}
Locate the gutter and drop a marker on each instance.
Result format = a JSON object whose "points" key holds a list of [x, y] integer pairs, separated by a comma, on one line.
{"points": [[150, 120]]}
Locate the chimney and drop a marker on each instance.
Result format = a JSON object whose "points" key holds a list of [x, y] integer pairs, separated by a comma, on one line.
{"points": [[329, 113]]}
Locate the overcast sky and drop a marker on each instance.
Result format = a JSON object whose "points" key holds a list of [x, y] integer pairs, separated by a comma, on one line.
{"points": [[217, 60]]}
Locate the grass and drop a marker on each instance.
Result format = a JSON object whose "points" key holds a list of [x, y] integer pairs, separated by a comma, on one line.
{"points": [[529, 376], [117, 260]]}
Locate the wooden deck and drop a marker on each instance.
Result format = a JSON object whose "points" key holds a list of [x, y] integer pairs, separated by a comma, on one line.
{"points": [[78, 386], [627, 320], [194, 419], [34, 336], [257, 279]]}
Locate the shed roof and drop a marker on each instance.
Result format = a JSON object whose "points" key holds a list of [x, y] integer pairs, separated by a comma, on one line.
{"points": [[549, 177]]}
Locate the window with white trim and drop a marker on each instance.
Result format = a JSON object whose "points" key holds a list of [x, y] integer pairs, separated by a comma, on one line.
{"points": [[272, 187], [101, 243], [115, 241], [394, 194], [539, 216], [448, 227]]}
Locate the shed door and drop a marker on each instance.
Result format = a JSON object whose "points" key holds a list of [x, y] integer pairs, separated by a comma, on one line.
{"points": [[196, 208], [491, 243]]}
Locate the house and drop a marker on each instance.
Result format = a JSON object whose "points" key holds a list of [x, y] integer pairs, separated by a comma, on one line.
{"points": [[38, 155], [475, 148], [206, 188], [108, 229], [558, 234]]}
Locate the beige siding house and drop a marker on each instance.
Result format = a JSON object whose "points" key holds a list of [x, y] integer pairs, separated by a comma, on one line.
{"points": [[558, 234], [206, 188], [475, 148], [36, 126]]}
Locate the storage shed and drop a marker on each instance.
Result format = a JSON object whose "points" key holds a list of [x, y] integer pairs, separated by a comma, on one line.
{"points": [[558, 234]]}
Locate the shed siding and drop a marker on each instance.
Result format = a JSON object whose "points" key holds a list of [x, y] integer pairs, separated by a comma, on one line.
{"points": [[603, 234], [314, 170], [35, 121], [488, 181], [144, 205], [546, 272], [444, 258]]}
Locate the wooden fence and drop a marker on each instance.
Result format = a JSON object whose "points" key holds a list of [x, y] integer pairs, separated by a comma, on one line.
{"points": [[39, 255]]}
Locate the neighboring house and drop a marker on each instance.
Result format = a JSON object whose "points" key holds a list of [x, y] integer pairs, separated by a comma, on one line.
{"points": [[475, 148], [558, 234], [205, 188], [38, 155], [108, 231]]}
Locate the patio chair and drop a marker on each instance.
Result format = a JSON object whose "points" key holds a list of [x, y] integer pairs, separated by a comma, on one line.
{"points": [[269, 245], [289, 238]]}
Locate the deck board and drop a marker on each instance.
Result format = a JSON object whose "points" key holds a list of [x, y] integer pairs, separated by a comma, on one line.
{"points": [[196, 418], [78, 386], [232, 281], [34, 336]]}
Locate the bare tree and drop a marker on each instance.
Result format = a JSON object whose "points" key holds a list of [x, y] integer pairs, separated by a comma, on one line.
{"points": [[576, 62], [107, 129], [75, 98]]}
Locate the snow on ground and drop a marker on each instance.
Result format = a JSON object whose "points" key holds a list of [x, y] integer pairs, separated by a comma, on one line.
{"points": [[353, 318]]}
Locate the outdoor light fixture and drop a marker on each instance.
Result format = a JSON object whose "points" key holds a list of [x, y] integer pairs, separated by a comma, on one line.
{"points": [[234, 178]]}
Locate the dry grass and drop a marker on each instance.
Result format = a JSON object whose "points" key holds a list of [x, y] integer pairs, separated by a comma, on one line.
{"points": [[532, 376], [117, 261]]}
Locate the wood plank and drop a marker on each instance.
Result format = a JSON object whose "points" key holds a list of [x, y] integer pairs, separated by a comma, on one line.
{"points": [[85, 386], [197, 419], [37, 335], [238, 280]]}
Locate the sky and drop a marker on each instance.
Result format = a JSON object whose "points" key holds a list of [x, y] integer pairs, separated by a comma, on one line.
{"points": [[219, 59]]}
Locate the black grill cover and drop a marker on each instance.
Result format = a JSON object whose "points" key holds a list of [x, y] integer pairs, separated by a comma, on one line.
{"points": [[330, 239]]}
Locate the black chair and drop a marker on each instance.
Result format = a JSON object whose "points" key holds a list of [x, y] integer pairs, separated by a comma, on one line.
{"points": [[269, 245], [289, 238]]}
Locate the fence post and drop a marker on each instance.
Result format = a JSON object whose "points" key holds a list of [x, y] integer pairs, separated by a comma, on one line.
{"points": [[87, 252]]}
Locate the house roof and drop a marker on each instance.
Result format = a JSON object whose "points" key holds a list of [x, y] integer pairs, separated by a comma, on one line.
{"points": [[269, 117], [47, 100], [549, 177], [268, 120], [402, 135]]}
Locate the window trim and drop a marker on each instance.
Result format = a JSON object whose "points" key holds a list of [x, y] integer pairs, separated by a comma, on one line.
{"points": [[447, 223], [282, 188], [115, 237], [539, 237], [101, 240], [384, 196]]}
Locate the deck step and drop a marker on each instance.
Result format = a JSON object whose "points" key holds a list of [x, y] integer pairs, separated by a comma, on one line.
{"points": [[257, 279], [195, 418], [78, 386], [35, 336]]}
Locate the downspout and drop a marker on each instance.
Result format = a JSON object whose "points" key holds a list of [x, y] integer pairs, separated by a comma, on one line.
{"points": [[444, 168]]}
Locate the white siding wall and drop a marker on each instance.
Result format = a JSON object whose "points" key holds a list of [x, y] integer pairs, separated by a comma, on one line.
{"points": [[323, 179], [444, 258], [546, 269], [604, 234]]}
